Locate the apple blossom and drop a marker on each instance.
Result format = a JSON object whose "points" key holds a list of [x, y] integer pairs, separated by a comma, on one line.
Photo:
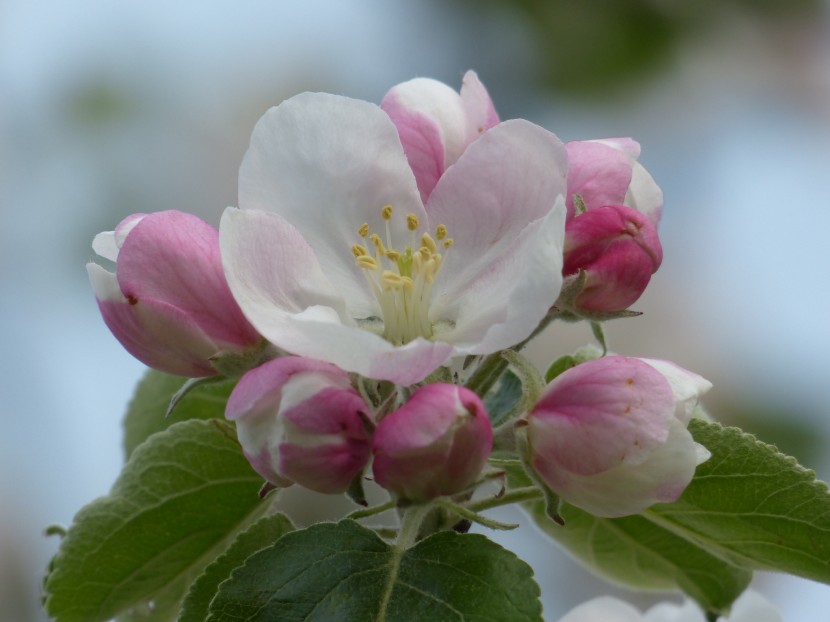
{"points": [[606, 172], [168, 302], [609, 435], [749, 607], [434, 445], [618, 249], [300, 420], [436, 124], [333, 255]]}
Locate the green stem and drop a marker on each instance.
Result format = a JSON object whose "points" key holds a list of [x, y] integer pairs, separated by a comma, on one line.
{"points": [[371, 511], [475, 517], [493, 366], [410, 525], [517, 495]]}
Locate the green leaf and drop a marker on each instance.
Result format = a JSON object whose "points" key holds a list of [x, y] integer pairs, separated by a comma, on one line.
{"points": [[344, 572], [560, 366], [634, 552], [180, 497], [503, 401], [261, 534], [145, 414], [753, 506]]}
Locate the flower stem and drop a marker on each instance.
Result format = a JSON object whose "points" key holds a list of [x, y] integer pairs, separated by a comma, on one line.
{"points": [[413, 516], [518, 495], [371, 511]]}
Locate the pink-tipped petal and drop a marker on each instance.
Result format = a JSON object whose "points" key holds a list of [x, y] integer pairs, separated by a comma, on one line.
{"points": [[327, 164]]}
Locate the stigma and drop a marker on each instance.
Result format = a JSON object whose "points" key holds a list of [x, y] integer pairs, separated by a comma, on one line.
{"points": [[401, 278]]}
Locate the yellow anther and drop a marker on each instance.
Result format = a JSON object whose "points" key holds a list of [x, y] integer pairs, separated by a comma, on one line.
{"points": [[425, 253], [393, 255], [386, 212], [366, 262], [375, 238], [412, 222], [427, 241], [441, 232], [448, 242], [359, 249], [392, 280], [364, 230], [408, 284]]}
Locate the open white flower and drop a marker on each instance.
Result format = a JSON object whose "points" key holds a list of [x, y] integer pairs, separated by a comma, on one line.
{"points": [[751, 606], [333, 255]]}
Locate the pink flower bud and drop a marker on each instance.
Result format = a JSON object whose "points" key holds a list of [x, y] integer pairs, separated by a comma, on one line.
{"points": [[610, 437], [618, 249], [299, 420], [606, 172], [168, 302], [436, 124], [434, 445]]}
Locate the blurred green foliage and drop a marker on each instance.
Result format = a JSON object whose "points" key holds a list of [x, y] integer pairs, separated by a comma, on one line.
{"points": [[589, 48]]}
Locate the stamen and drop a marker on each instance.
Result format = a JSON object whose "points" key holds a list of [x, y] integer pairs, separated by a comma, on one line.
{"points": [[366, 262], [392, 280], [401, 278], [427, 241], [375, 238]]}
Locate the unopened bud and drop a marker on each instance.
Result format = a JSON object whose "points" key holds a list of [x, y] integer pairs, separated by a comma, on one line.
{"points": [[610, 437], [434, 445], [168, 302], [299, 420], [618, 250]]}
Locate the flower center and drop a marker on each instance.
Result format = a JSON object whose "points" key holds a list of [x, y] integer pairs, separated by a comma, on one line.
{"points": [[402, 279]]}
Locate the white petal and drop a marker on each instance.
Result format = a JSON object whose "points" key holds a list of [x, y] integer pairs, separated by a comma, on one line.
{"points": [[686, 386], [501, 305], [501, 203], [752, 607], [644, 195], [327, 164], [273, 274], [104, 284], [603, 609], [438, 102], [671, 612], [104, 245]]}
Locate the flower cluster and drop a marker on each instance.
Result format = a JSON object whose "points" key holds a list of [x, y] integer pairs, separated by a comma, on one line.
{"points": [[380, 261]]}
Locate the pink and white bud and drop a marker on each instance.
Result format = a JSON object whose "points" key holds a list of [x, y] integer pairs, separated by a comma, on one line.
{"points": [[436, 124], [606, 172], [299, 420], [168, 302], [609, 435], [434, 445], [618, 249]]}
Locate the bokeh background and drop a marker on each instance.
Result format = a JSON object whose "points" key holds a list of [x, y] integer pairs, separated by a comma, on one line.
{"points": [[112, 108]]}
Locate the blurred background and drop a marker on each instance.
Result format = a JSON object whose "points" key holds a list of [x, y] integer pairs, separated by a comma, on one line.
{"points": [[112, 108]]}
